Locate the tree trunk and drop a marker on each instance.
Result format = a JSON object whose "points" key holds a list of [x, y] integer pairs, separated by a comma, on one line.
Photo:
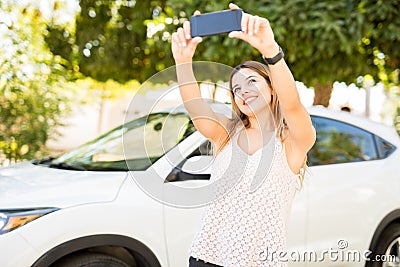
{"points": [[322, 94], [214, 92], [101, 111]]}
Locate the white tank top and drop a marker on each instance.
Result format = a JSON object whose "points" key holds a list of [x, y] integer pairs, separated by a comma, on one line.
{"points": [[246, 225]]}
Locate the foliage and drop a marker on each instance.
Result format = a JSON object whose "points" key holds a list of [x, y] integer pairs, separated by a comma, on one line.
{"points": [[382, 33], [33, 97], [321, 39], [381, 43], [318, 35], [110, 41], [220, 48], [324, 41]]}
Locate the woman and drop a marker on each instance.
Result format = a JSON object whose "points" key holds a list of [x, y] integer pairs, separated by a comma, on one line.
{"points": [[247, 225]]}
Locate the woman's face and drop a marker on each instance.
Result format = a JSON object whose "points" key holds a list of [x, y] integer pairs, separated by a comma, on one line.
{"points": [[252, 93]]}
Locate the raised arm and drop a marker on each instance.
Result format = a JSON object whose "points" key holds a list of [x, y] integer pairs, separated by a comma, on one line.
{"points": [[212, 125], [258, 33]]}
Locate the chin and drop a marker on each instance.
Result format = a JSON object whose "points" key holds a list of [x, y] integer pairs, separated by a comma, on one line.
{"points": [[252, 111], [249, 111]]}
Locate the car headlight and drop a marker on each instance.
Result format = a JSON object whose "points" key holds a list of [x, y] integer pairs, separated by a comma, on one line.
{"points": [[12, 219]]}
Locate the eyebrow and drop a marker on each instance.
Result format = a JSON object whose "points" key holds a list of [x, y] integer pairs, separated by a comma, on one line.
{"points": [[251, 76]]}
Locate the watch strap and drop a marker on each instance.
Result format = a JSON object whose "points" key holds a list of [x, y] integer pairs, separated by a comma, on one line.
{"points": [[275, 59]]}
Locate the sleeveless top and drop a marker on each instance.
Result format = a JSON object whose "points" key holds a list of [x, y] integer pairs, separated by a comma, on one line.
{"points": [[246, 223]]}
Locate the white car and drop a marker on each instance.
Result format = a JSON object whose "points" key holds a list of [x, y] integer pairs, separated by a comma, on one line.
{"points": [[91, 207]]}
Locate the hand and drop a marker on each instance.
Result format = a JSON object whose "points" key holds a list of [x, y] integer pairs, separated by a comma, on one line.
{"points": [[183, 45], [257, 32]]}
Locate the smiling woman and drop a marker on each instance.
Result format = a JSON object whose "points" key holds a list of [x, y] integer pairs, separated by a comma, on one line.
{"points": [[260, 152]]}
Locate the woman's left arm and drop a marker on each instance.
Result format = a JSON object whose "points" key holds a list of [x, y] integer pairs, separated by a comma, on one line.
{"points": [[258, 33]]}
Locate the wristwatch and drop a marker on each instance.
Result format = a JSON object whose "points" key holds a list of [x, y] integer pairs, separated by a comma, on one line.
{"points": [[275, 59]]}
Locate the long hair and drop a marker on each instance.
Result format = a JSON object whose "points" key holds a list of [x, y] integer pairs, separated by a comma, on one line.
{"points": [[239, 117]]}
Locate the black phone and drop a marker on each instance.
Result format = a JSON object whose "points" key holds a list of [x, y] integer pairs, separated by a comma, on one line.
{"points": [[216, 23]]}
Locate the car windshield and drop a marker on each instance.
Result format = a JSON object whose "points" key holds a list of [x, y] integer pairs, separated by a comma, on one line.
{"points": [[133, 146]]}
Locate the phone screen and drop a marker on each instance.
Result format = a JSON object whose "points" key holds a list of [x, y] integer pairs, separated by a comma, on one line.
{"points": [[216, 23]]}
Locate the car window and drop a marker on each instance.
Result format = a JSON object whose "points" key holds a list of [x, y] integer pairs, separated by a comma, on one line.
{"points": [[154, 139], [178, 174], [136, 144], [384, 147], [205, 149], [339, 142]]}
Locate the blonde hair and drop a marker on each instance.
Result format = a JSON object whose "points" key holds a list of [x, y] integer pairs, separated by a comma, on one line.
{"points": [[239, 117]]}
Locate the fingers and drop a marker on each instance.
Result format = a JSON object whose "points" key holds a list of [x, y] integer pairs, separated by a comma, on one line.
{"points": [[175, 40], [232, 6], [257, 24], [244, 23], [252, 24], [181, 36], [186, 29], [245, 17], [183, 45], [194, 42], [180, 39], [239, 35]]}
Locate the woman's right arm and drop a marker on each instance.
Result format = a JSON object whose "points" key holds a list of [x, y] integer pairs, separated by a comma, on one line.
{"points": [[212, 125]]}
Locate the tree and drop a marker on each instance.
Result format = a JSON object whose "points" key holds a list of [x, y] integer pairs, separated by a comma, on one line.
{"points": [[382, 33], [215, 48], [110, 41], [324, 41], [107, 46], [321, 39], [32, 94], [381, 43]]}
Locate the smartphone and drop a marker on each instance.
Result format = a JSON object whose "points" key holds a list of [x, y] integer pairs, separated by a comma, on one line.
{"points": [[216, 23]]}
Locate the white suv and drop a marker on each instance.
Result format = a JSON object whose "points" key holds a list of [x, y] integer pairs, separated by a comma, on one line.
{"points": [[102, 204]]}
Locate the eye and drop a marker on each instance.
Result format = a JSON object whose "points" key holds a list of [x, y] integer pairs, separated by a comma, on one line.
{"points": [[236, 90], [251, 81]]}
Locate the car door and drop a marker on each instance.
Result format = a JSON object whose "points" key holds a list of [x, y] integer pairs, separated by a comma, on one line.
{"points": [[181, 219], [181, 223], [342, 197]]}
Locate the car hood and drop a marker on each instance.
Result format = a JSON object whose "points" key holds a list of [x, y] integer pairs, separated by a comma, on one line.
{"points": [[26, 185]]}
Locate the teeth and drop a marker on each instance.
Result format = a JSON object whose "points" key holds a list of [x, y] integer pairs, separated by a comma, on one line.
{"points": [[246, 101]]}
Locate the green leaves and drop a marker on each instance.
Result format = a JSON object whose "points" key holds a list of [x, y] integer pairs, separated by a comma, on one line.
{"points": [[324, 41], [111, 41], [125, 40], [33, 96]]}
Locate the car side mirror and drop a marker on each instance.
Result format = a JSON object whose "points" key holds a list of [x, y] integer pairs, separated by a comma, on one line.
{"points": [[198, 165]]}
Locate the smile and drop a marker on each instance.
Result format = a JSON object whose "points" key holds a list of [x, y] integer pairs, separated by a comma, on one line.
{"points": [[249, 100]]}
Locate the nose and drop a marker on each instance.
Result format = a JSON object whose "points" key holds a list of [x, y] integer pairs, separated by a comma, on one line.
{"points": [[245, 91]]}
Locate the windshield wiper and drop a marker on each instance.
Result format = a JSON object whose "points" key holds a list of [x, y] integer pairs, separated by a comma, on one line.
{"points": [[66, 166]]}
